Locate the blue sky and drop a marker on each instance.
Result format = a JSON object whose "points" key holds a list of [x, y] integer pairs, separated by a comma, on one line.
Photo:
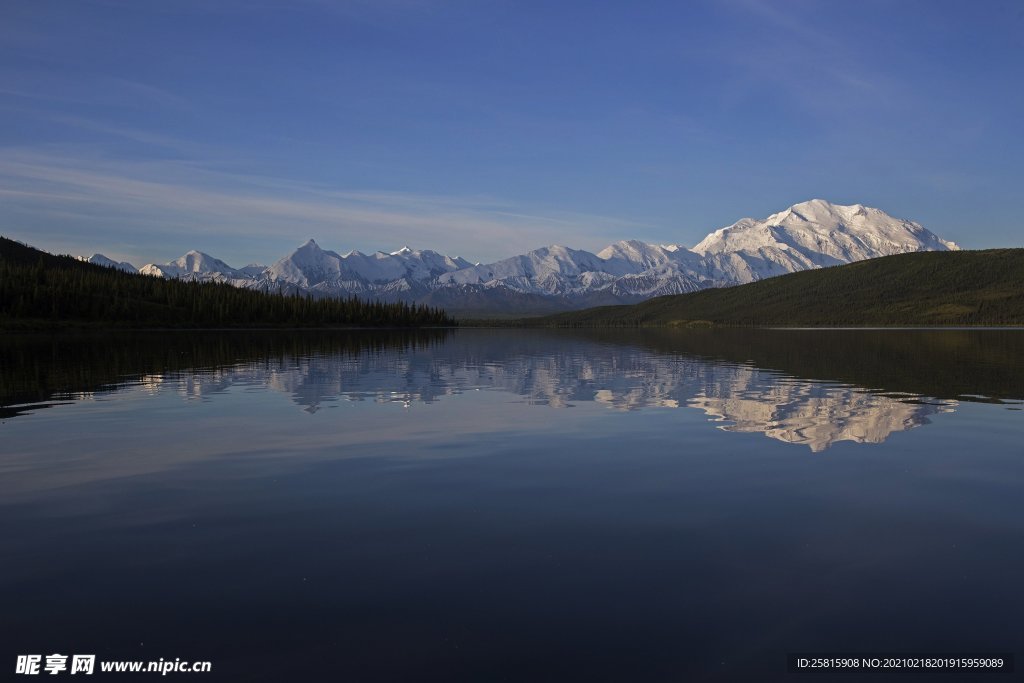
{"points": [[486, 128]]}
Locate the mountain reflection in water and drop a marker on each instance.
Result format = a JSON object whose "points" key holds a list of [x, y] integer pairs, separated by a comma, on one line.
{"points": [[811, 388]]}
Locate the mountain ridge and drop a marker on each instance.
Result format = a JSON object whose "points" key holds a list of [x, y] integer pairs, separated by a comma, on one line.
{"points": [[808, 235]]}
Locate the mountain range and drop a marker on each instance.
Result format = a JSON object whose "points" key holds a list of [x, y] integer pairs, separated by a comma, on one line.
{"points": [[809, 235]]}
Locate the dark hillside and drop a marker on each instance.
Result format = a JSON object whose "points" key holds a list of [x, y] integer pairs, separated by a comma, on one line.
{"points": [[926, 288], [38, 289]]}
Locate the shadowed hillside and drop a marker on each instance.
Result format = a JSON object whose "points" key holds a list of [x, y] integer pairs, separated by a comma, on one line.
{"points": [[929, 288]]}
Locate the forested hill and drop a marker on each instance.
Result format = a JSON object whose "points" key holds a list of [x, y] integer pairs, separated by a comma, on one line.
{"points": [[38, 289], [927, 288]]}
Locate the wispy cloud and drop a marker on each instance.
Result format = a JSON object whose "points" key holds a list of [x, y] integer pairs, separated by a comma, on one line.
{"points": [[818, 65], [52, 86], [188, 198]]}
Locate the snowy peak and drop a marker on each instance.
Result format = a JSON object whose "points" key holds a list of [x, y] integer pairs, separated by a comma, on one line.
{"points": [[811, 234], [198, 262], [639, 256], [422, 264], [101, 260], [825, 232], [633, 251], [625, 271], [523, 271], [311, 266], [195, 265], [307, 266]]}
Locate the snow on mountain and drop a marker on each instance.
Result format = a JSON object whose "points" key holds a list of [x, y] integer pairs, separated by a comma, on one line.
{"points": [[632, 254], [524, 271], [628, 270], [808, 235], [195, 265], [253, 269], [316, 269], [846, 233], [101, 260], [306, 266], [404, 263]]}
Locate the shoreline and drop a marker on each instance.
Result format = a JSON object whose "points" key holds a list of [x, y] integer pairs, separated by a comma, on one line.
{"points": [[478, 325]]}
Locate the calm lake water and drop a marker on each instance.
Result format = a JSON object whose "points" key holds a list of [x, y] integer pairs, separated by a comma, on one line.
{"points": [[511, 505]]}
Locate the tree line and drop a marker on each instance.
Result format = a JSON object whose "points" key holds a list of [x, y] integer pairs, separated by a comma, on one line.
{"points": [[37, 287]]}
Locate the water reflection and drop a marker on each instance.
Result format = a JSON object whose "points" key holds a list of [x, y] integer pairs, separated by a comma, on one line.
{"points": [[814, 414], [808, 388], [548, 506]]}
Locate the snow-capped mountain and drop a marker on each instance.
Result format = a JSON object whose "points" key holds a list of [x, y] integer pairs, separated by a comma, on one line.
{"points": [[314, 269], [195, 265], [808, 235], [101, 260], [811, 235]]}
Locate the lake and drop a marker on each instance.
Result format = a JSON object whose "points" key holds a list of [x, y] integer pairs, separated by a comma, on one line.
{"points": [[512, 505]]}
